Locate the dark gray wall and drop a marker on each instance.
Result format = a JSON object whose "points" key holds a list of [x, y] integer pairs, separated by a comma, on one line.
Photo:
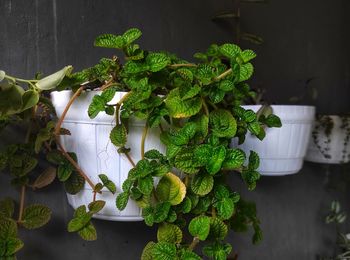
{"points": [[303, 39]]}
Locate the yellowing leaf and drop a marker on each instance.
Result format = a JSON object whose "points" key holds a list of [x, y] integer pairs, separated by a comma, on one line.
{"points": [[170, 188], [179, 108]]}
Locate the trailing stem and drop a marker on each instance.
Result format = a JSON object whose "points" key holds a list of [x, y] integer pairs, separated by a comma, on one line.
{"points": [[224, 74], [130, 159], [173, 66], [21, 203], [143, 140], [195, 241]]}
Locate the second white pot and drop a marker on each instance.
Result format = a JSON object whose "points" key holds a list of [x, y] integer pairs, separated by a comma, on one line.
{"points": [[330, 140], [96, 154], [283, 149]]}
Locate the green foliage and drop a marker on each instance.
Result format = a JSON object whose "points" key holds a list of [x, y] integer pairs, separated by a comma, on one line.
{"points": [[197, 110]]}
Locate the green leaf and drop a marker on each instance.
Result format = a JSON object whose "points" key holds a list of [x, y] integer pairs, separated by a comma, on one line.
{"points": [[10, 247], [230, 50], [131, 35], [8, 229], [118, 135], [161, 212], [234, 159], [108, 94], [157, 61], [202, 152], [271, 120], [53, 80], [64, 171], [247, 55], [147, 251], [110, 41], [225, 208], [79, 222], [179, 108], [153, 154], [202, 184], [215, 161], [185, 161], [96, 206], [171, 189], [254, 161], [245, 71], [218, 229], [250, 177], [35, 216], [74, 184], [10, 99], [164, 251], [249, 116], [184, 135], [7, 207], [108, 183], [205, 74], [186, 74], [200, 227], [217, 250], [226, 85], [29, 99], [97, 105], [145, 185], [169, 233], [223, 123], [2, 75], [189, 255], [122, 200], [254, 128], [88, 232]]}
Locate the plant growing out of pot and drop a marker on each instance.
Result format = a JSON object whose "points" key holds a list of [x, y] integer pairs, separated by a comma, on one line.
{"points": [[148, 139], [283, 150]]}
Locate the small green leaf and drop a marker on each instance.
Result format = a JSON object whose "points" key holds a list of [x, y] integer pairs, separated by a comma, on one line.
{"points": [[200, 227], [164, 251], [202, 184], [12, 246], [2, 75], [145, 185], [35, 216], [7, 207], [8, 229], [179, 108], [157, 61], [131, 35], [53, 80], [225, 208], [108, 94], [88, 232], [185, 161], [218, 229], [45, 178], [110, 41], [254, 161], [169, 233], [122, 200], [186, 74], [64, 171], [226, 85], [29, 99], [74, 184], [97, 105], [234, 159], [108, 183], [230, 50], [153, 154], [96, 206], [223, 123], [147, 251], [247, 55], [245, 71], [249, 116], [215, 161], [79, 222], [118, 135], [254, 128]]}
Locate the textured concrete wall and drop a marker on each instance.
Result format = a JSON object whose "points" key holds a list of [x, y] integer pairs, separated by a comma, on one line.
{"points": [[303, 39]]}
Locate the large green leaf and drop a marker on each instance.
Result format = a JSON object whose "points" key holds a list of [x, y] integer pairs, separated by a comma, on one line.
{"points": [[218, 229], [199, 227], [110, 41], [170, 188], [179, 108], [118, 135], [122, 200], [234, 159], [164, 251], [230, 50], [29, 99], [131, 35], [35, 216], [202, 184], [157, 61], [186, 162], [147, 251], [74, 184], [215, 161], [79, 222], [10, 99], [223, 123], [169, 233], [96, 206], [88, 232]]}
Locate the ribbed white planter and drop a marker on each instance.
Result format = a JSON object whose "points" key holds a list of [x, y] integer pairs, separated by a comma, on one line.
{"points": [[334, 147], [283, 149], [89, 139]]}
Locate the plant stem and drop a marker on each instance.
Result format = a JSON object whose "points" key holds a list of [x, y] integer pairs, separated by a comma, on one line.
{"points": [[60, 121], [130, 159], [143, 140], [75, 165], [21, 203], [206, 110], [213, 212], [94, 197], [224, 74], [173, 66], [195, 241]]}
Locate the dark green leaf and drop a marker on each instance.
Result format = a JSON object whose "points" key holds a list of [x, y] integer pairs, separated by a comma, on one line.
{"points": [[35, 216]]}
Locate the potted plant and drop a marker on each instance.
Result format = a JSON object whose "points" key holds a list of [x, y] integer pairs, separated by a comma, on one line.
{"points": [[172, 123], [330, 140], [283, 150]]}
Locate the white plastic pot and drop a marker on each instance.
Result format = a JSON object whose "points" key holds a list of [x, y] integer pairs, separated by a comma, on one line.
{"points": [[89, 139], [330, 146], [283, 149]]}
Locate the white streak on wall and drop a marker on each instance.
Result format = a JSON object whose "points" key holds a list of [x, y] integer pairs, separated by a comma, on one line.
{"points": [[37, 36], [55, 46]]}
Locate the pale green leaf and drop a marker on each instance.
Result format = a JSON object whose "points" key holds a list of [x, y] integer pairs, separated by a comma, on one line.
{"points": [[53, 80]]}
